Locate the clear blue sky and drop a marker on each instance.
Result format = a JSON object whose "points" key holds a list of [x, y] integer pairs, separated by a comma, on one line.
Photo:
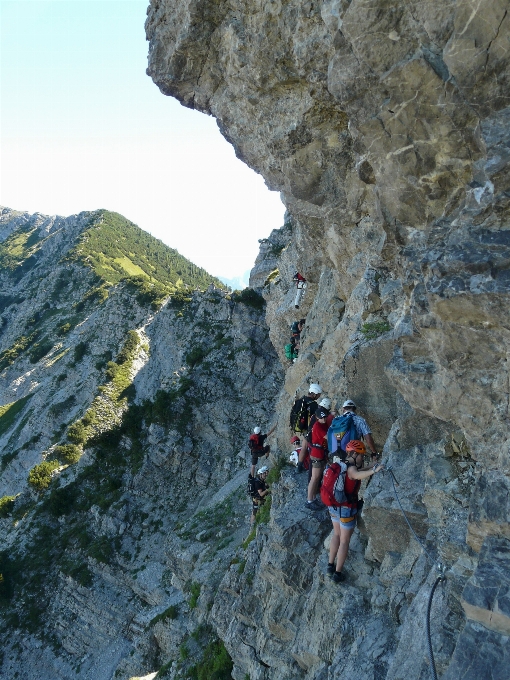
{"points": [[83, 127]]}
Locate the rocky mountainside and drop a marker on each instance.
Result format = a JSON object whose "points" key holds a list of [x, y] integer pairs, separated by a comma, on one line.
{"points": [[386, 128], [127, 396]]}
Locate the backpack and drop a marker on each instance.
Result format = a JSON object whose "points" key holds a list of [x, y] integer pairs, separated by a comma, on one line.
{"points": [[344, 427], [333, 485], [290, 352], [254, 442], [251, 488], [299, 415]]}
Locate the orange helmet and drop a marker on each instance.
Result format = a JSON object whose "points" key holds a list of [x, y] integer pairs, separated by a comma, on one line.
{"points": [[294, 440], [356, 447]]}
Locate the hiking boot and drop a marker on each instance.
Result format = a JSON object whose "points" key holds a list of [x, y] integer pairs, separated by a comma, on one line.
{"points": [[312, 505], [337, 577], [330, 569]]}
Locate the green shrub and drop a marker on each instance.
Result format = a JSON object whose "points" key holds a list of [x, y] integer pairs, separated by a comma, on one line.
{"points": [[9, 356], [77, 433], [171, 613], [40, 476], [195, 356], [101, 549], [194, 589], [129, 349], [249, 297], [68, 453], [374, 329], [79, 351], [40, 350], [64, 329], [79, 572], [216, 663], [6, 505]]}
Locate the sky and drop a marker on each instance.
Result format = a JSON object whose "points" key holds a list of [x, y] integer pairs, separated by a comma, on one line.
{"points": [[83, 127]]}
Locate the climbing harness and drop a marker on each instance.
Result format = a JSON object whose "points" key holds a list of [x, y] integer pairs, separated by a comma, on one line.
{"points": [[440, 568]]}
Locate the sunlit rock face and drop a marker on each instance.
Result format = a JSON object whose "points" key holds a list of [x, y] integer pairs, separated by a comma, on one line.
{"points": [[386, 128]]}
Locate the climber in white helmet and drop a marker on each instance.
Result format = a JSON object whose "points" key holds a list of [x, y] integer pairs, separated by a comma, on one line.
{"points": [[258, 447], [300, 416]]}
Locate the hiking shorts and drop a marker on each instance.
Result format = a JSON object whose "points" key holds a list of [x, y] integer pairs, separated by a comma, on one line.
{"points": [[256, 505], [344, 516], [255, 455], [318, 462]]}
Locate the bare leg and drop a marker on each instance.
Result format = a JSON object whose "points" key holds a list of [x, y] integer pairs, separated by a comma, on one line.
{"points": [[335, 542], [304, 448], [313, 487], [343, 548]]}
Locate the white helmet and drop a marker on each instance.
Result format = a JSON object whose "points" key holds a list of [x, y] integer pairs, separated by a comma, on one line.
{"points": [[315, 389], [256, 430], [326, 403], [263, 470]]}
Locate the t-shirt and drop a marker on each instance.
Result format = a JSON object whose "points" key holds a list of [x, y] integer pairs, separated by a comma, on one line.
{"points": [[319, 434], [257, 441], [361, 426], [259, 485]]}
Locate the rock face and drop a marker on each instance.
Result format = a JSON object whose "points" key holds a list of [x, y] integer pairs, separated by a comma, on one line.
{"points": [[97, 562], [386, 129]]}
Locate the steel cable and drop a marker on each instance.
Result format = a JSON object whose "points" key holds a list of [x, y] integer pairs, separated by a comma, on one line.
{"points": [[438, 579]]}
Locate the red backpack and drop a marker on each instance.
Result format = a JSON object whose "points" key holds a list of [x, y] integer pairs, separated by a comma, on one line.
{"points": [[254, 442], [338, 489]]}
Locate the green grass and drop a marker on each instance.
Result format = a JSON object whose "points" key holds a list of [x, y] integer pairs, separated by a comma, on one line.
{"points": [[9, 356], [17, 247], [374, 329], [216, 663], [172, 612], [117, 249], [194, 589], [10, 412]]}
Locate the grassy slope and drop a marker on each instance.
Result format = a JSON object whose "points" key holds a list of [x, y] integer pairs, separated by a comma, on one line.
{"points": [[116, 249]]}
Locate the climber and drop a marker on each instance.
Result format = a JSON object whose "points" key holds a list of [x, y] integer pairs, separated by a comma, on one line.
{"points": [[318, 457], [259, 491], [343, 516], [301, 287], [325, 402], [292, 349], [300, 415], [257, 448], [297, 327], [294, 456], [361, 430]]}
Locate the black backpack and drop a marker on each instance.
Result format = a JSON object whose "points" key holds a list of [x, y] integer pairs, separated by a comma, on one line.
{"points": [[251, 488], [298, 415]]}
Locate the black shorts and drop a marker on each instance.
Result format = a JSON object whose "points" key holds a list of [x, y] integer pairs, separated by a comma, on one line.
{"points": [[255, 455]]}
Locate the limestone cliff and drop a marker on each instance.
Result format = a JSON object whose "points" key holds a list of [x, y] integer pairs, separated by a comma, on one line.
{"points": [[386, 128]]}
